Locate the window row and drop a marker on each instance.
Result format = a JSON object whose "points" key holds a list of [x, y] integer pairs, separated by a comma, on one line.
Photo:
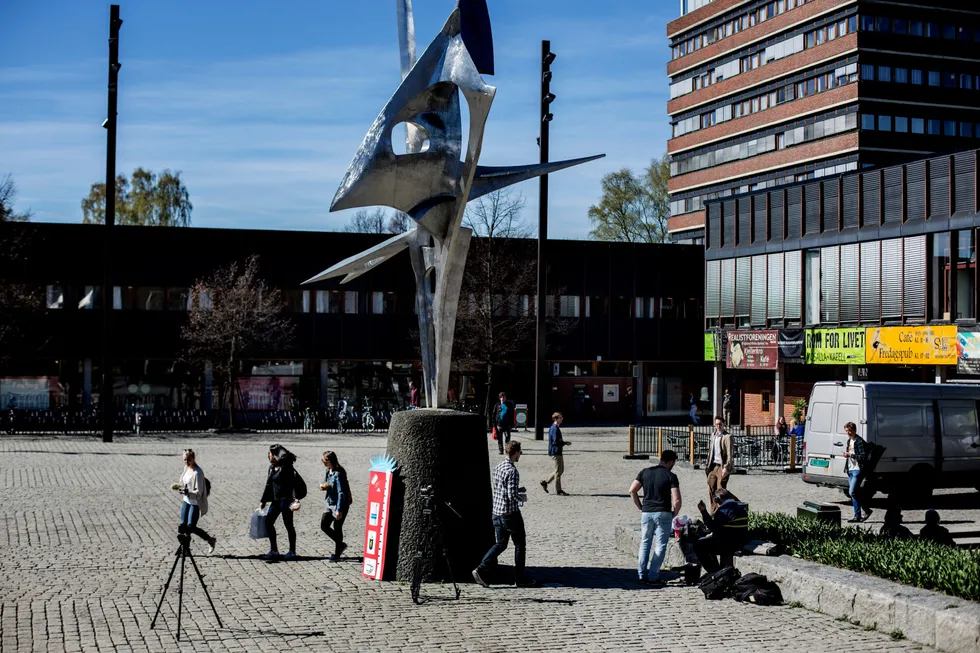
{"points": [[734, 26], [860, 283], [900, 75], [818, 84], [813, 129], [696, 202], [930, 126], [778, 50], [687, 6], [928, 29]]}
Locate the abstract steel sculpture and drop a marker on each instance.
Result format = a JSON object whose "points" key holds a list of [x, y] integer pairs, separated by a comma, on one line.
{"points": [[430, 182]]}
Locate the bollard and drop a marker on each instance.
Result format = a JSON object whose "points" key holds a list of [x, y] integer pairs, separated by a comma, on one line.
{"points": [[792, 453], [660, 442], [690, 444], [632, 440]]}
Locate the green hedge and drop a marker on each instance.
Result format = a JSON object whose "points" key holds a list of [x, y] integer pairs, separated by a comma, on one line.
{"points": [[923, 564]]}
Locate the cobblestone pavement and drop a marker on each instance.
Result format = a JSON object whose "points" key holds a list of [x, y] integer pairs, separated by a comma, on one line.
{"points": [[89, 539]]}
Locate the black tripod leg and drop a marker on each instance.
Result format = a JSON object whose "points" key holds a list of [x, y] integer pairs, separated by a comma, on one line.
{"points": [[165, 586], [449, 567], [180, 593], [200, 577]]}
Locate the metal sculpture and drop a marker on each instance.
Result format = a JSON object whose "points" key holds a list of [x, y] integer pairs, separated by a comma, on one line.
{"points": [[430, 182]]}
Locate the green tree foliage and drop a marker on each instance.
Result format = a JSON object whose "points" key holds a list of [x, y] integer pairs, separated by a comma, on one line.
{"points": [[634, 208], [146, 200], [8, 197]]}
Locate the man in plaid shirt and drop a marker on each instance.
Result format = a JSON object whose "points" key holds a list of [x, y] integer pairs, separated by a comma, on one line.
{"points": [[507, 520]]}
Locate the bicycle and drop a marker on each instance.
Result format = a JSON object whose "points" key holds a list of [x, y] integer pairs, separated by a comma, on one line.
{"points": [[431, 532]]}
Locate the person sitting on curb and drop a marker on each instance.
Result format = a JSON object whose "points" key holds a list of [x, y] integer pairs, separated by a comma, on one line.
{"points": [[933, 532], [893, 525], [729, 528]]}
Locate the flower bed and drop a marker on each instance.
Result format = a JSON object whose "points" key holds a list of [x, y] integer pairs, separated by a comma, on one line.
{"points": [[916, 562]]}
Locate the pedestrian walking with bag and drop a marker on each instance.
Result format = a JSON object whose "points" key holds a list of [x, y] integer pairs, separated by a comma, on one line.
{"points": [[556, 445], [337, 501], [661, 503], [193, 487], [505, 421], [284, 489]]}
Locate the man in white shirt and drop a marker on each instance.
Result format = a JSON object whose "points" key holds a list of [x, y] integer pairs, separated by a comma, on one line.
{"points": [[719, 464]]}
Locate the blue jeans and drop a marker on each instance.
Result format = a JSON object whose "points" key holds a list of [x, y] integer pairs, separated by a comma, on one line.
{"points": [[653, 524], [505, 528], [852, 489], [188, 521]]}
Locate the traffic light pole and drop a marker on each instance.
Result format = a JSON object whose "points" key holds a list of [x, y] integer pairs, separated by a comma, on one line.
{"points": [[541, 375], [105, 394]]}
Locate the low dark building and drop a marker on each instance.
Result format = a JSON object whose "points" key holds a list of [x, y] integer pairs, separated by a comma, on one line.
{"points": [[634, 313]]}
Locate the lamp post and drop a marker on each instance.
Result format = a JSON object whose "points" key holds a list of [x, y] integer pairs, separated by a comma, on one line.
{"points": [[105, 394], [541, 375]]}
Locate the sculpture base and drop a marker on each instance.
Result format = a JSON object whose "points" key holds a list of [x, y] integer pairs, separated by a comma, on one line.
{"points": [[448, 450]]}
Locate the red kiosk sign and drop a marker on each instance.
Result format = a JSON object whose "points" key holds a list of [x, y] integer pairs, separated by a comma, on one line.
{"points": [[378, 506]]}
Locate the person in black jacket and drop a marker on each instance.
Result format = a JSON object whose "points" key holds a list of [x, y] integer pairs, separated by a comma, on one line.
{"points": [[280, 492], [729, 528], [856, 459], [337, 502]]}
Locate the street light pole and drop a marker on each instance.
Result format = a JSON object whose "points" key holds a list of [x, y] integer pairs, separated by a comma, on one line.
{"points": [[541, 375], [105, 394]]}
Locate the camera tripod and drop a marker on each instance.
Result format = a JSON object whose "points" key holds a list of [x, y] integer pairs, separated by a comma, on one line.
{"points": [[183, 552], [432, 528]]}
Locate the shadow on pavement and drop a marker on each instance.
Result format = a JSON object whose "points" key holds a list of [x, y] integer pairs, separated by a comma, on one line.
{"points": [[258, 556], [276, 633], [592, 578]]}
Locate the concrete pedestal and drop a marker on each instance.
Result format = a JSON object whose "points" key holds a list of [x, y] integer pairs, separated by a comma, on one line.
{"points": [[447, 450]]}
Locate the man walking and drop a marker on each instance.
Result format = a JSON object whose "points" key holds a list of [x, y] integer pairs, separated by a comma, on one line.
{"points": [[505, 421], [726, 408], [507, 521], [661, 503], [719, 464], [555, 446]]}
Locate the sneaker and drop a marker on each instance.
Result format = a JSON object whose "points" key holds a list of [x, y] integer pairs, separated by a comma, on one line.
{"points": [[271, 555], [211, 542], [290, 556], [853, 520], [478, 579], [867, 514], [653, 582], [544, 486], [340, 551]]}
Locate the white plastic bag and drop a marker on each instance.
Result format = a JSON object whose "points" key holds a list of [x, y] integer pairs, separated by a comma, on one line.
{"points": [[679, 523], [257, 530]]}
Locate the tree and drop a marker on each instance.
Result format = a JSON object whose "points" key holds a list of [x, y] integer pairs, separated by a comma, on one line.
{"points": [[235, 314], [495, 318], [633, 208], [378, 222], [8, 197], [148, 201]]}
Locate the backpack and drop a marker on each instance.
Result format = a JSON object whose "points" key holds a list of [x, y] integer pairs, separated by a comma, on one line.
{"points": [[756, 588], [719, 584], [207, 484], [299, 486]]}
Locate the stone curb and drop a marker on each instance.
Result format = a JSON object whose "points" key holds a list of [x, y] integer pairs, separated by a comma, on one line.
{"points": [[945, 622]]}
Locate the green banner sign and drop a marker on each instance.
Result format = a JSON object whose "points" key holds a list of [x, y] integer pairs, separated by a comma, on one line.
{"points": [[835, 346], [710, 353]]}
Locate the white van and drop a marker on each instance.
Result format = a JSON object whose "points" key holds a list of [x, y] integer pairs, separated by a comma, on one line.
{"points": [[929, 433]]}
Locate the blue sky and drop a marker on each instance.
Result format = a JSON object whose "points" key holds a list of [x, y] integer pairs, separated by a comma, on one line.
{"points": [[262, 105]]}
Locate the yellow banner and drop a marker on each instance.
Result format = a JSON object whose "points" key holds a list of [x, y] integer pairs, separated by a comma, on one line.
{"points": [[926, 345]]}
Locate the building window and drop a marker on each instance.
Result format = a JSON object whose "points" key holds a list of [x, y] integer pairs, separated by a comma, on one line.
{"points": [[884, 123], [178, 299], [901, 124], [766, 401], [328, 301], [917, 77], [933, 126], [966, 129], [867, 121], [569, 306], [966, 274], [149, 299], [941, 265], [918, 126], [884, 74], [91, 299], [934, 78], [55, 297], [867, 72], [902, 75], [382, 303], [350, 302], [915, 28], [949, 128]]}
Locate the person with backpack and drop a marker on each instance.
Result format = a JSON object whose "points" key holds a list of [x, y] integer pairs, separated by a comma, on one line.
{"points": [[729, 531], [193, 487], [661, 503], [337, 502], [284, 489], [505, 421]]}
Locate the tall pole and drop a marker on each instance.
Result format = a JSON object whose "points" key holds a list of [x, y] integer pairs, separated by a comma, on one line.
{"points": [[542, 384], [105, 395]]}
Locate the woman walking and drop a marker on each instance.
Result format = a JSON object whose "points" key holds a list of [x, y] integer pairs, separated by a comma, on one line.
{"points": [[194, 488], [337, 501], [280, 494]]}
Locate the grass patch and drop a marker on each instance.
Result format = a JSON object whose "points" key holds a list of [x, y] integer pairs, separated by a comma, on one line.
{"points": [[897, 635], [918, 563], [795, 604], [871, 627]]}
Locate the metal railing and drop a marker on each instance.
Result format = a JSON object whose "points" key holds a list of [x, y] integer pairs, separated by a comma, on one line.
{"points": [[753, 447]]}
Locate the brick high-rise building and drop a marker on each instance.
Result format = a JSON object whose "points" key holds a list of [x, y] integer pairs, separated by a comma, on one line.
{"points": [[768, 92]]}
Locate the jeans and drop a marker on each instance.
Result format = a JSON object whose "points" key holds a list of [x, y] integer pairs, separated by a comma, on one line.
{"points": [[336, 533], [506, 527], [852, 489], [654, 525], [188, 521], [277, 507], [502, 433]]}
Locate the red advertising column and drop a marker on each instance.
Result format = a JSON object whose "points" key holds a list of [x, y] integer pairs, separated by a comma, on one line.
{"points": [[378, 502]]}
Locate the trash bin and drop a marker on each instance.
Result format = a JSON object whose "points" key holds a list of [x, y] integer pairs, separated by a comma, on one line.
{"points": [[823, 512]]}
